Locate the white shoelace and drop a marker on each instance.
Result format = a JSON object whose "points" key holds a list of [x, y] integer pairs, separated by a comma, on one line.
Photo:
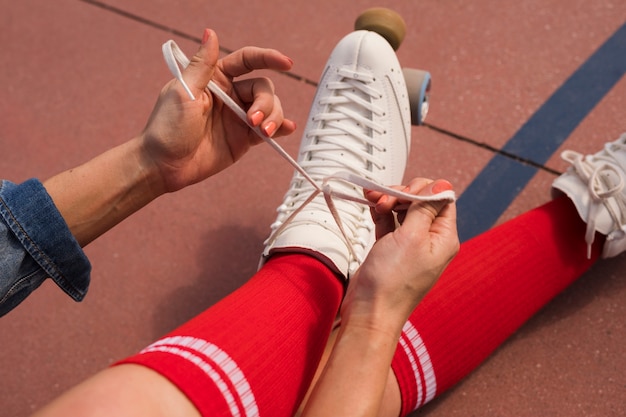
{"points": [[353, 91], [600, 172]]}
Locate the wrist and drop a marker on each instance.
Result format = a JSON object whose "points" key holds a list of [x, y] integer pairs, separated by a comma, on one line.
{"points": [[372, 317], [376, 308], [147, 173]]}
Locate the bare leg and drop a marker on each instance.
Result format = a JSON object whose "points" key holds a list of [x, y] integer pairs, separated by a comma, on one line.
{"points": [[126, 390]]}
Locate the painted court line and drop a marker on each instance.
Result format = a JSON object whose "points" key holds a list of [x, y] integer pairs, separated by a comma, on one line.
{"points": [[502, 179]]}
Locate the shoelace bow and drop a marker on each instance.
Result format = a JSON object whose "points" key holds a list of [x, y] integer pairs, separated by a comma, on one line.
{"points": [[175, 59], [600, 172]]}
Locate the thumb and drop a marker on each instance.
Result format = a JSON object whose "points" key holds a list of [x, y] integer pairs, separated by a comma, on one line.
{"points": [[202, 65], [423, 213]]}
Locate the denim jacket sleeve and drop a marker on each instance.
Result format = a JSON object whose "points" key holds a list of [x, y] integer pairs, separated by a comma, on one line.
{"points": [[36, 244]]}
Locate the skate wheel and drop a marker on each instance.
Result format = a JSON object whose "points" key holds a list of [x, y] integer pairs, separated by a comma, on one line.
{"points": [[418, 86], [385, 22]]}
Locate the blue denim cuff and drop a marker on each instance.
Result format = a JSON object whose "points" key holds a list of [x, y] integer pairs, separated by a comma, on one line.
{"points": [[30, 214]]}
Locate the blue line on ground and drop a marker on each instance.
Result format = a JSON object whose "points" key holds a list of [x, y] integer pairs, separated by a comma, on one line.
{"points": [[502, 179]]}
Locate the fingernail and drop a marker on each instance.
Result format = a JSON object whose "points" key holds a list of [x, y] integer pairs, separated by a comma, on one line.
{"points": [[382, 200], [257, 117], [270, 129], [441, 186], [205, 36]]}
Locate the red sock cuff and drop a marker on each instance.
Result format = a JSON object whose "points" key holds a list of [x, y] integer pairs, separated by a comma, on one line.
{"points": [[414, 370], [211, 379]]}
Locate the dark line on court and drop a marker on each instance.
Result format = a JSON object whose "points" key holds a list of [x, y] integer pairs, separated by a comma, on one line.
{"points": [[492, 149], [178, 33], [145, 21]]}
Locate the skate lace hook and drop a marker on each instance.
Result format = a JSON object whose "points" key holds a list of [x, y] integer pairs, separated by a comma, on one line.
{"points": [[175, 59]]}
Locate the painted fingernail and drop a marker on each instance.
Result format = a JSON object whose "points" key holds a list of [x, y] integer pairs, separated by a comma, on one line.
{"points": [[205, 36], [379, 204], [270, 129], [441, 186], [257, 117]]}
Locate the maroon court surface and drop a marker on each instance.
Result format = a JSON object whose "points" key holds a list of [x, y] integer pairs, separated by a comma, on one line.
{"points": [[78, 77]]}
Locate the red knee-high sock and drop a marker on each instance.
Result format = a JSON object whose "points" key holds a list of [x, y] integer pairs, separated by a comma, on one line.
{"points": [[496, 283], [256, 351]]}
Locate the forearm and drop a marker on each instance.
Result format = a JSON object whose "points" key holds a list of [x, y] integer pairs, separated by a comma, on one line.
{"points": [[356, 375], [97, 195]]}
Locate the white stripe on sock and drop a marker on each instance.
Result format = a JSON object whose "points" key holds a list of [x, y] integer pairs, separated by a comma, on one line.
{"points": [[414, 348], [186, 347]]}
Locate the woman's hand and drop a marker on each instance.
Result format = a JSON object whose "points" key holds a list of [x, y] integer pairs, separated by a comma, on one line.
{"points": [[186, 140], [415, 242]]}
